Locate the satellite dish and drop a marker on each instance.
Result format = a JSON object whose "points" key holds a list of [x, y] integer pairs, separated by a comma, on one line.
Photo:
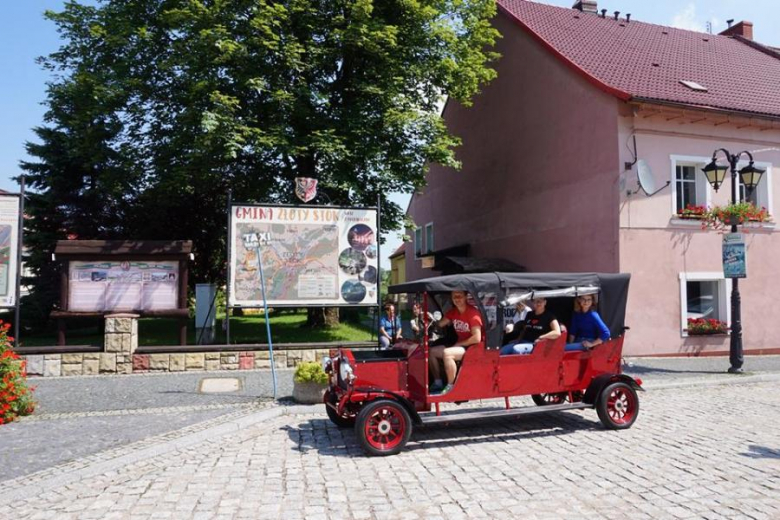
{"points": [[646, 180]]}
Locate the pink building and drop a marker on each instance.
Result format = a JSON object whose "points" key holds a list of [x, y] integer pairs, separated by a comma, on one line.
{"points": [[549, 177]]}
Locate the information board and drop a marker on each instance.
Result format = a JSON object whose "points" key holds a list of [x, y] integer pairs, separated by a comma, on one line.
{"points": [[9, 243], [311, 255], [123, 286]]}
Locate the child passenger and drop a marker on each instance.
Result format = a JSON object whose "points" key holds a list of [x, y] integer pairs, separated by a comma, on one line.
{"points": [[587, 328]]}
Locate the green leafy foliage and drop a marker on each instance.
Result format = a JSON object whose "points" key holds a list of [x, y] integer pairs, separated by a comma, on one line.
{"points": [[159, 107], [310, 372]]}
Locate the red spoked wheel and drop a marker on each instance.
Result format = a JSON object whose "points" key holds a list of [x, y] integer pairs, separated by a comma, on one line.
{"points": [[618, 406], [383, 427], [548, 399]]}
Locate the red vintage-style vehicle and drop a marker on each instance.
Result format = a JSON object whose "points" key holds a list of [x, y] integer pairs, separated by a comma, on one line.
{"points": [[384, 394]]}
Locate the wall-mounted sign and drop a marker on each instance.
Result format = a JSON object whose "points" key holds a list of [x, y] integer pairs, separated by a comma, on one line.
{"points": [[9, 243], [734, 256], [123, 286], [311, 255]]}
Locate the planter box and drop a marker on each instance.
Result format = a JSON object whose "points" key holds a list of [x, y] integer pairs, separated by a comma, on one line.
{"points": [[308, 393]]}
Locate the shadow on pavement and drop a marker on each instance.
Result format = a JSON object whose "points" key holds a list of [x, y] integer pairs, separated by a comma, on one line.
{"points": [[644, 370], [327, 439], [761, 452]]}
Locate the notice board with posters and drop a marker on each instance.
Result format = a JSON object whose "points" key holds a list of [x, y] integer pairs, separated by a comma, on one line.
{"points": [[123, 286], [104, 276], [311, 255], [9, 246]]}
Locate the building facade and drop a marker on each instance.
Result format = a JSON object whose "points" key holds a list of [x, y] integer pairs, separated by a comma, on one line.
{"points": [[550, 151]]}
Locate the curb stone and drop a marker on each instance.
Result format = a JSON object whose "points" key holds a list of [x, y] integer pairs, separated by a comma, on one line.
{"points": [[741, 379]]}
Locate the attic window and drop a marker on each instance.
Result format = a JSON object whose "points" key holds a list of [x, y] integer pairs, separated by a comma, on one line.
{"points": [[693, 85]]}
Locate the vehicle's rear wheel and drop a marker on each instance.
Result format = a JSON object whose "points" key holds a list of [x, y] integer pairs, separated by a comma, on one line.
{"points": [[347, 420], [383, 427], [618, 406], [548, 399]]}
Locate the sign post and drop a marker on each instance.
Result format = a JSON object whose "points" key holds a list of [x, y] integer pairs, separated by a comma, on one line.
{"points": [[734, 256], [252, 241]]}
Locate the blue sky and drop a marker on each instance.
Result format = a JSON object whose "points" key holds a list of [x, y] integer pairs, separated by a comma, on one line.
{"points": [[25, 35]]}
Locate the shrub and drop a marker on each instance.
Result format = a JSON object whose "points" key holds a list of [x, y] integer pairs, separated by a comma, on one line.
{"points": [[310, 372], [15, 397]]}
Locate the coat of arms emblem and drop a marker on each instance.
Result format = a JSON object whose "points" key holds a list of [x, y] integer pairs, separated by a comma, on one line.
{"points": [[305, 188]]}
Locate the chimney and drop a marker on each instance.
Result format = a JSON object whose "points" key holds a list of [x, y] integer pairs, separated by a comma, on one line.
{"points": [[586, 6], [744, 29]]}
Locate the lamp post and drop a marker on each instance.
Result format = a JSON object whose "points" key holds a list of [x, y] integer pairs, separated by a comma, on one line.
{"points": [[751, 176]]}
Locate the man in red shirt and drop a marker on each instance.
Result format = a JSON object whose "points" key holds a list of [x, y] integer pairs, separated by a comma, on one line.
{"points": [[467, 322]]}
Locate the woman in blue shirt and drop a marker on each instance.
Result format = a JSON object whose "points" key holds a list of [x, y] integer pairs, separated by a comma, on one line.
{"points": [[587, 328], [389, 327]]}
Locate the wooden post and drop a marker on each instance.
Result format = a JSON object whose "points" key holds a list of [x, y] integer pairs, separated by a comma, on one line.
{"points": [[64, 297], [183, 265], [60, 331]]}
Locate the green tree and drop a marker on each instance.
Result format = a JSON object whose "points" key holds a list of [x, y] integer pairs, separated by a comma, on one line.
{"points": [[199, 96]]}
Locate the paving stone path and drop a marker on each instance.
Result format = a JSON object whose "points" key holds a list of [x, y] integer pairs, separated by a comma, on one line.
{"points": [[695, 452]]}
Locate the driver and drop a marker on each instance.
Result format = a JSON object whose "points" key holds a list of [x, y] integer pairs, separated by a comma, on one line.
{"points": [[467, 322]]}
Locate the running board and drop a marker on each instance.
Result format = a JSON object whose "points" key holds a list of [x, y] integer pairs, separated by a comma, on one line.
{"points": [[512, 412]]}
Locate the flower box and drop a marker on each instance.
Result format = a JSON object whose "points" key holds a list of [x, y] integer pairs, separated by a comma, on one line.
{"points": [[691, 212], [706, 327], [735, 214]]}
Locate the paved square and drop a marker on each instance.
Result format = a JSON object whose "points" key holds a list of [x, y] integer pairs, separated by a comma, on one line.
{"points": [[696, 452]]}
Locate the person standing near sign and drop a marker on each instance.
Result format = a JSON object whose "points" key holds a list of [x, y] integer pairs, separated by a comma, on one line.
{"points": [[389, 327]]}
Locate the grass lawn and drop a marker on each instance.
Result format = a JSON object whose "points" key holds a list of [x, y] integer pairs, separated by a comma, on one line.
{"points": [[285, 328]]}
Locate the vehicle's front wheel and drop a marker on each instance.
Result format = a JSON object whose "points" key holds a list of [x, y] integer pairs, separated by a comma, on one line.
{"points": [[347, 420], [383, 427], [618, 406]]}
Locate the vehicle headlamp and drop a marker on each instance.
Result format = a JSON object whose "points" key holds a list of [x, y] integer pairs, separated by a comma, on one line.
{"points": [[345, 371]]}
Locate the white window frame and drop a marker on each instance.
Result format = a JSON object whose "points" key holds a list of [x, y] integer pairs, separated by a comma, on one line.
{"points": [[724, 296], [763, 190], [703, 188], [429, 237], [418, 242]]}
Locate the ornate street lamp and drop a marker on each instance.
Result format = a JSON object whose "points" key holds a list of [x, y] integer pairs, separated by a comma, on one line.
{"points": [[751, 176]]}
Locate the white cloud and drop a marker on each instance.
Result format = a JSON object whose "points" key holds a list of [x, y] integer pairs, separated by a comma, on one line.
{"points": [[686, 19]]}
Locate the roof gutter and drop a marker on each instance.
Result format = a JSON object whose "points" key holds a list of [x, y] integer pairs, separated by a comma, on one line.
{"points": [[625, 96], [717, 110]]}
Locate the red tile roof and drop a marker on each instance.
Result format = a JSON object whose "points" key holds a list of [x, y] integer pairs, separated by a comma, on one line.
{"points": [[642, 61], [399, 251]]}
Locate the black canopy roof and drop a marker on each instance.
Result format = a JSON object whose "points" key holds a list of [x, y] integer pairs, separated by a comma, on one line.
{"points": [[613, 287]]}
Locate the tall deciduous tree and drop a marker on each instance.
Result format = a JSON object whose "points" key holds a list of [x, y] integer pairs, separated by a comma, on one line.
{"points": [[192, 97]]}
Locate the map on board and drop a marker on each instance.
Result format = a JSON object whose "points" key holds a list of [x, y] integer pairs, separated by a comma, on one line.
{"points": [[300, 262]]}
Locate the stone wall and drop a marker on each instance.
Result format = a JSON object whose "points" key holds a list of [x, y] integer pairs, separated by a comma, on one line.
{"points": [[120, 356], [83, 364]]}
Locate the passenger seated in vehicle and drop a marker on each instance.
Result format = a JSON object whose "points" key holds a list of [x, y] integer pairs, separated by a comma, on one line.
{"points": [[538, 325], [467, 322], [587, 328], [416, 323], [515, 329], [389, 327]]}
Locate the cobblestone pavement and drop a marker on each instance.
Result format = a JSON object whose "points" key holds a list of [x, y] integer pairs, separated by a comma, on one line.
{"points": [[133, 392], [43, 441], [695, 452]]}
